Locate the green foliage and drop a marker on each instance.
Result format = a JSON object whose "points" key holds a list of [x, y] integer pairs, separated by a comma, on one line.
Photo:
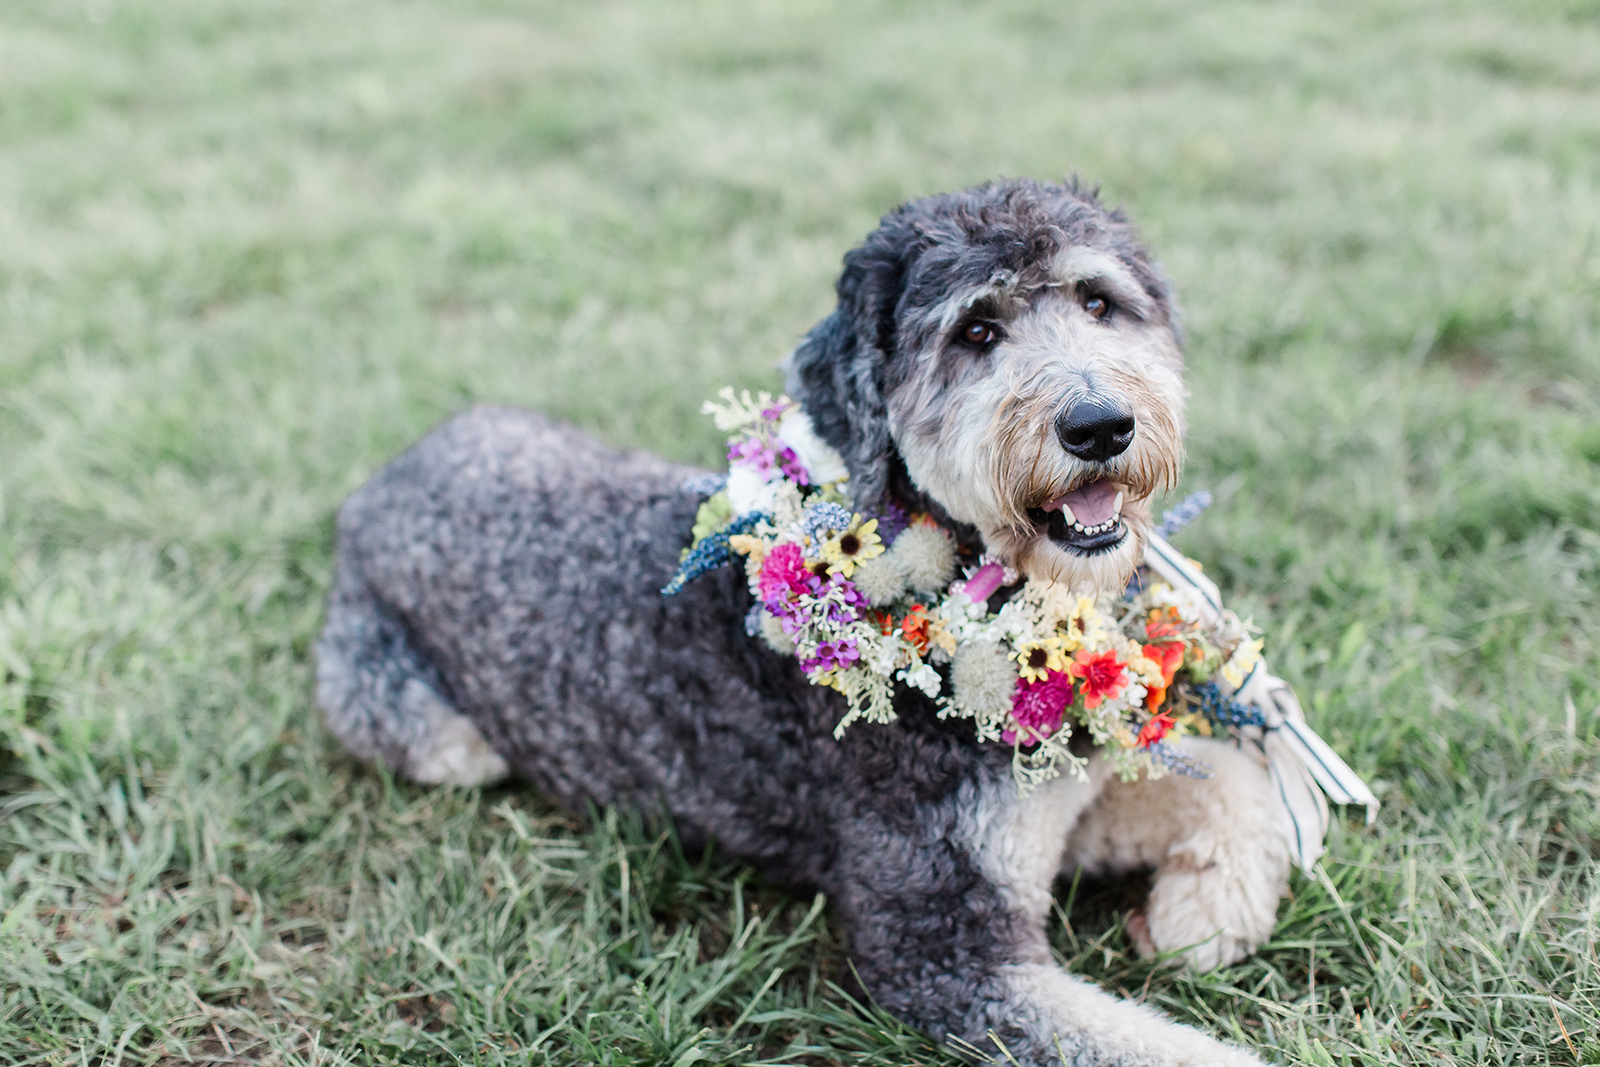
{"points": [[250, 250]]}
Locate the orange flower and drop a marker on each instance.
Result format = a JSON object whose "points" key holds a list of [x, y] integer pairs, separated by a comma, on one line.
{"points": [[1165, 619], [1103, 676], [1155, 730], [1168, 655], [915, 628]]}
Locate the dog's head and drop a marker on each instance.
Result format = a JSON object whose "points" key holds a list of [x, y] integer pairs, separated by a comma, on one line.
{"points": [[1006, 358]]}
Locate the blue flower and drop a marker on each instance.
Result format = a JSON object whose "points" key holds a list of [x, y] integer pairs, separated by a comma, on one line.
{"points": [[822, 517]]}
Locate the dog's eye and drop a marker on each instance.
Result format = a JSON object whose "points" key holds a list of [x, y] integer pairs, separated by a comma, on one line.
{"points": [[979, 334], [1096, 306]]}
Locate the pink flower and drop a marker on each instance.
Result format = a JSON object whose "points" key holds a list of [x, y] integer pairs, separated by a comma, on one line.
{"points": [[1038, 707], [783, 574], [753, 453]]}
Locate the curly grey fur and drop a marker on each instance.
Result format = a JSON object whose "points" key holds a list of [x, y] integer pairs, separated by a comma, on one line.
{"points": [[508, 568]]}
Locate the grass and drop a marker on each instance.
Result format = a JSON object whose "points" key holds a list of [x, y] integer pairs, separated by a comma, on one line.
{"points": [[250, 250]]}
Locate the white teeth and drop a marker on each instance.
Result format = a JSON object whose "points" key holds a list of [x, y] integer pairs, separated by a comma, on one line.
{"points": [[1066, 513], [1116, 506]]}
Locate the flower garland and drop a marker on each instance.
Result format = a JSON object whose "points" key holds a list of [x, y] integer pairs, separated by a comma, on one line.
{"points": [[867, 601]]}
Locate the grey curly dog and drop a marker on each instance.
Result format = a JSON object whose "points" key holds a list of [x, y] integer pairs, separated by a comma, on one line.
{"points": [[497, 609]]}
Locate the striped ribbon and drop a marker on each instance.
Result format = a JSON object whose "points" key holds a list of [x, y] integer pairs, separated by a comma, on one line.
{"points": [[1305, 771]]}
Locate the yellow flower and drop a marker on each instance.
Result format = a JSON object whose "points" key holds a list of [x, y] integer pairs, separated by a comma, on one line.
{"points": [[1083, 627], [856, 544], [939, 636], [1036, 659], [1239, 665], [754, 550], [746, 545], [1146, 669]]}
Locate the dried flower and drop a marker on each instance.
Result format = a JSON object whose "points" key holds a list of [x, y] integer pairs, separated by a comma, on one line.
{"points": [[982, 679], [927, 557], [880, 580]]}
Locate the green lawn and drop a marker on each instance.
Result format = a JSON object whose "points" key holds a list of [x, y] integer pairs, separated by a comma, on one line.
{"points": [[251, 248]]}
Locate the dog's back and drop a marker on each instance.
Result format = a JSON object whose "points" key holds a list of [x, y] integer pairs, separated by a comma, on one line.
{"points": [[497, 607]]}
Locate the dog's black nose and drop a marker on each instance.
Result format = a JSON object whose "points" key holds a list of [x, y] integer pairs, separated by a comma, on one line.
{"points": [[1095, 430]]}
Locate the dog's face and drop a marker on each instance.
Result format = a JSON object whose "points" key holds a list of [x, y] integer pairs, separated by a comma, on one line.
{"points": [[1006, 357]]}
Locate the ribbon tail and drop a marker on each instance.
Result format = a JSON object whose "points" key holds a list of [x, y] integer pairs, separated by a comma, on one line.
{"points": [[1302, 800], [1333, 774]]}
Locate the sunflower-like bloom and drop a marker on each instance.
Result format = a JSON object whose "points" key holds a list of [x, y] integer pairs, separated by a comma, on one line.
{"points": [[1036, 659], [855, 544]]}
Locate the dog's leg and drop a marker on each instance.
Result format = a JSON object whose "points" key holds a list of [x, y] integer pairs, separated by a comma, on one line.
{"points": [[946, 914], [383, 701], [1217, 845]]}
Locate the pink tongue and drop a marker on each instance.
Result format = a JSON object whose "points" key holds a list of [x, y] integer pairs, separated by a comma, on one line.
{"points": [[1090, 504]]}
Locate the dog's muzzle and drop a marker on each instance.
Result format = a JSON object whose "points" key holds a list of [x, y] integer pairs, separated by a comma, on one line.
{"points": [[1088, 519]]}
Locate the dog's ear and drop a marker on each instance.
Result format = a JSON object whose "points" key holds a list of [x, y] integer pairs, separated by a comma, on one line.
{"points": [[838, 370]]}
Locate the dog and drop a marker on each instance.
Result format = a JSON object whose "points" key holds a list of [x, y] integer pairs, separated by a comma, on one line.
{"points": [[994, 352]]}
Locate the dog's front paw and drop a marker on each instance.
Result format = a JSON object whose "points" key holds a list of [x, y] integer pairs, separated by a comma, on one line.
{"points": [[1213, 909]]}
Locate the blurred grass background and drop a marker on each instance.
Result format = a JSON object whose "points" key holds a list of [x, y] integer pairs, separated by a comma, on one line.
{"points": [[249, 250]]}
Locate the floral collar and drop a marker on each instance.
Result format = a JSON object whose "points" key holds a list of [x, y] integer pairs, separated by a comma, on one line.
{"points": [[868, 602]]}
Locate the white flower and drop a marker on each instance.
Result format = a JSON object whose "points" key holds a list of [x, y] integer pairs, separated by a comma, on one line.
{"points": [[785, 504], [821, 462], [982, 680], [923, 677], [1187, 601], [1016, 622], [878, 651], [773, 633], [749, 490]]}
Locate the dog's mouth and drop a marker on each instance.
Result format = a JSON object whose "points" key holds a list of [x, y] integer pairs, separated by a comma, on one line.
{"points": [[1087, 521]]}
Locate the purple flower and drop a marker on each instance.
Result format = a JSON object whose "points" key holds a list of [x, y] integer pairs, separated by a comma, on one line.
{"points": [[849, 601], [892, 520], [832, 656], [791, 466]]}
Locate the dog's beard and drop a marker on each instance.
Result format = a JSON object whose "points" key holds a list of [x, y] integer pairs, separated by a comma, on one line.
{"points": [[1061, 519]]}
